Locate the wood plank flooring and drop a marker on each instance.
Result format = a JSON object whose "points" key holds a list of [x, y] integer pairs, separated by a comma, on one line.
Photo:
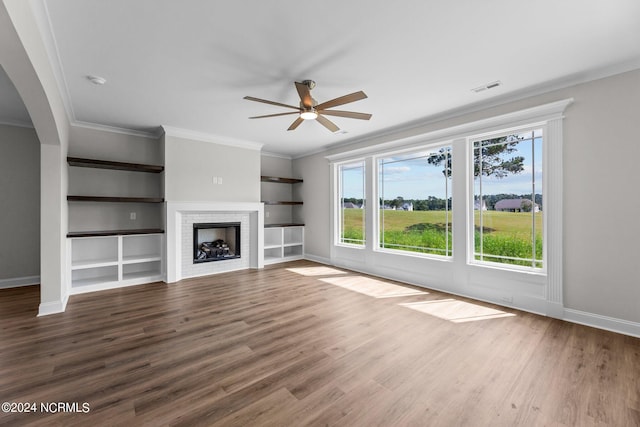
{"points": [[302, 344]]}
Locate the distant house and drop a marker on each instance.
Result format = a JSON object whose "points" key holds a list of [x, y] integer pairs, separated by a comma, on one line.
{"points": [[407, 206], [477, 205], [388, 207], [516, 205], [350, 205]]}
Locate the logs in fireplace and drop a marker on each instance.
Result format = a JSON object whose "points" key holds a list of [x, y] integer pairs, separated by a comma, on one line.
{"points": [[216, 241]]}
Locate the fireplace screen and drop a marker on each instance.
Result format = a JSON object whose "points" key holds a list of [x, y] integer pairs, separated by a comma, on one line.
{"points": [[216, 241]]}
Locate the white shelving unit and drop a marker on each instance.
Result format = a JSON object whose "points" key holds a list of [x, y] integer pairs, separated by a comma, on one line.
{"points": [[107, 262], [283, 243]]}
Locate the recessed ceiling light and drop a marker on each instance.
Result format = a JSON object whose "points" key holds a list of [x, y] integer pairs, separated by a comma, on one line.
{"points": [[487, 86], [97, 80]]}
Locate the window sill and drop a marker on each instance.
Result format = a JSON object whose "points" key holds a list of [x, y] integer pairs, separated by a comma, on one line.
{"points": [[414, 254], [509, 268]]}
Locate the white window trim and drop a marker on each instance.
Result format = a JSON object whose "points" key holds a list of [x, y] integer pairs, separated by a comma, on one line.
{"points": [[470, 185], [549, 116], [376, 212], [337, 227]]}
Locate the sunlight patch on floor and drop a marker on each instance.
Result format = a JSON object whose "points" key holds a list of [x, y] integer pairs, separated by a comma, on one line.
{"points": [[372, 287], [316, 271], [456, 311]]}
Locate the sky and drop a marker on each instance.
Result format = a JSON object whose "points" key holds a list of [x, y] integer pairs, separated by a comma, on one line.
{"points": [[412, 177]]}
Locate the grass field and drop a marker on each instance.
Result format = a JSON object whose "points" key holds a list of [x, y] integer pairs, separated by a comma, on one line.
{"points": [[505, 234]]}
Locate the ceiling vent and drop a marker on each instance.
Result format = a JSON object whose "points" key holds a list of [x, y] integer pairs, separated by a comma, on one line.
{"points": [[487, 86]]}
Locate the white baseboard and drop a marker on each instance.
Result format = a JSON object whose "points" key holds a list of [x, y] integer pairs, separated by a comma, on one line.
{"points": [[602, 322], [318, 259], [19, 281], [53, 307]]}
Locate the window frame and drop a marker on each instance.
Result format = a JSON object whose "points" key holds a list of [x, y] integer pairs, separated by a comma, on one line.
{"points": [[376, 159], [495, 133], [551, 117], [338, 225]]}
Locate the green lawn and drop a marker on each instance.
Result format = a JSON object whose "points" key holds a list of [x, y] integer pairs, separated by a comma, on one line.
{"points": [[505, 234]]}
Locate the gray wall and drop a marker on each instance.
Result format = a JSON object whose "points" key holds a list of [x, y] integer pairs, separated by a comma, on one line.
{"points": [[315, 191], [20, 195], [191, 165], [601, 226], [119, 147]]}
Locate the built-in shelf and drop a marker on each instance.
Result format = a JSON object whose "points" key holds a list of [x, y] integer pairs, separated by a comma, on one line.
{"points": [[278, 179], [107, 164], [283, 243], [286, 203], [102, 261], [110, 258], [115, 199], [105, 233]]}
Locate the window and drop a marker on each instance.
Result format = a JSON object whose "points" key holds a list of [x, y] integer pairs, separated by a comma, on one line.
{"points": [[351, 228], [508, 203], [415, 202]]}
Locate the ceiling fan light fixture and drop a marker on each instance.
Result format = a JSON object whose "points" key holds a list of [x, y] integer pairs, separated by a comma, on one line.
{"points": [[309, 115]]}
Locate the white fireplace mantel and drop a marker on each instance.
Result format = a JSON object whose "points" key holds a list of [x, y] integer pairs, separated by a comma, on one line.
{"points": [[174, 214]]}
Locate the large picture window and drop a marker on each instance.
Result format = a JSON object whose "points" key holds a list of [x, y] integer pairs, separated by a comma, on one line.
{"points": [[415, 202], [508, 199], [351, 227]]}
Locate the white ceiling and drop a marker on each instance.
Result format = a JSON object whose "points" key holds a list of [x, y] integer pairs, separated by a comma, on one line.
{"points": [[187, 64]]}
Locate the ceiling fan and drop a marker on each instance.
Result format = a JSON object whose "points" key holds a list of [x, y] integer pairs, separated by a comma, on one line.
{"points": [[309, 108]]}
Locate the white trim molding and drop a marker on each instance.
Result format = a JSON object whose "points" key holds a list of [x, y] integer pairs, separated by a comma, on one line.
{"points": [[276, 155], [602, 322], [553, 184], [53, 307], [539, 291], [113, 129], [16, 123], [16, 282], [538, 114], [318, 259], [207, 137]]}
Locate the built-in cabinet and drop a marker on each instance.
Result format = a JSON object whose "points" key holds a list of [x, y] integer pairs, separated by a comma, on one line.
{"points": [[283, 238], [105, 250]]}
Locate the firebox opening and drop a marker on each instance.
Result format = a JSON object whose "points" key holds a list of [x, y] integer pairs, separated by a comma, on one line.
{"points": [[216, 241]]}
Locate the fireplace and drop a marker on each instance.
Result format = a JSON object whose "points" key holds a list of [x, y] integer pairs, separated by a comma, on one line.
{"points": [[216, 241]]}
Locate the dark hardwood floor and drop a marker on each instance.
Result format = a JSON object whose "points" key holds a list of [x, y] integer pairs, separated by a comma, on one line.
{"points": [[304, 344]]}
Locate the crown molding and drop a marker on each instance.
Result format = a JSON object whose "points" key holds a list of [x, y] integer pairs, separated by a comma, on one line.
{"points": [[530, 92], [214, 139], [16, 123], [279, 156], [538, 114], [115, 129]]}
